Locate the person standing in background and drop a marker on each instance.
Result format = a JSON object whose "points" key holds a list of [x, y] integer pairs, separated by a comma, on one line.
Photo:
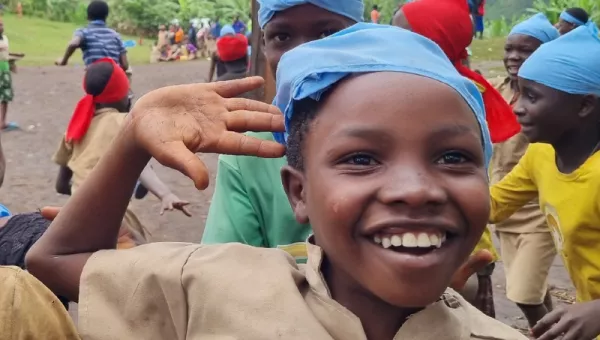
{"points": [[478, 18], [216, 28], [375, 15], [239, 26], [6, 88]]}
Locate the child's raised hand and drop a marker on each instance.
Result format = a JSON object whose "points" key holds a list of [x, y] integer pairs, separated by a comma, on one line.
{"points": [[173, 123], [171, 201], [576, 322], [474, 264]]}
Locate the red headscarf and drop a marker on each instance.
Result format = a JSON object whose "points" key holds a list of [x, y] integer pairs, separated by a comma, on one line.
{"points": [[232, 47], [116, 89], [448, 23]]}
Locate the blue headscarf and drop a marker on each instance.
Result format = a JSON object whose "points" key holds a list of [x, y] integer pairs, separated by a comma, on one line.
{"points": [[365, 48], [538, 26], [568, 64], [565, 16], [4, 212], [352, 9], [227, 29]]}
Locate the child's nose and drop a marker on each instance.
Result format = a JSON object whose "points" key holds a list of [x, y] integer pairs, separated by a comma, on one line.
{"points": [[414, 187]]}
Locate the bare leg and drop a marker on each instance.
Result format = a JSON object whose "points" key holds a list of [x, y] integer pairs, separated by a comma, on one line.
{"points": [[3, 114], [533, 313]]}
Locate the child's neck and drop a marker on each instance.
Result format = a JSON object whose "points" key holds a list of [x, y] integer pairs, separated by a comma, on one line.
{"points": [[575, 148], [379, 319]]}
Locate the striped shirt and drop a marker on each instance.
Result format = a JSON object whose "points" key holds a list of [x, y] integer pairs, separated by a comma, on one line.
{"points": [[99, 41]]}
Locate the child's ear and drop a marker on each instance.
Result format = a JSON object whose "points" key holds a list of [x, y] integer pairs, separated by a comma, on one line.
{"points": [[293, 184], [589, 104]]}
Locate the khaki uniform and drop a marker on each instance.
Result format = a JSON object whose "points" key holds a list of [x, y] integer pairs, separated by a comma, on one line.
{"points": [[526, 243], [30, 310], [83, 156], [233, 291]]}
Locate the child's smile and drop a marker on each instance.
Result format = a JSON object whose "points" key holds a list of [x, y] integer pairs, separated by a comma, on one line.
{"points": [[394, 185]]}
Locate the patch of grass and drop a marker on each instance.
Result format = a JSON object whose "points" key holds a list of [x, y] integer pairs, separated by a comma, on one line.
{"points": [[45, 41], [488, 49]]}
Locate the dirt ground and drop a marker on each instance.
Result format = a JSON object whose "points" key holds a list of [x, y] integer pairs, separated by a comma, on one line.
{"points": [[45, 98]]}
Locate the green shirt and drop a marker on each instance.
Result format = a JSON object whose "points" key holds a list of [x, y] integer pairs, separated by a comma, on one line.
{"points": [[250, 206]]}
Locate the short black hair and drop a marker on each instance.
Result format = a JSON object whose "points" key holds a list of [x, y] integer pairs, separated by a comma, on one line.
{"points": [[375, 7], [97, 10], [579, 13], [96, 77], [305, 111]]}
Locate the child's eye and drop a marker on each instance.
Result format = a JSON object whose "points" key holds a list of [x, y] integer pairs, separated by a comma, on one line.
{"points": [[281, 37], [453, 157], [361, 160], [327, 33]]}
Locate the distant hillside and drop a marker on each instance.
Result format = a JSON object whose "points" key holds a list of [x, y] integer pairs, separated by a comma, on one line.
{"points": [[507, 8]]}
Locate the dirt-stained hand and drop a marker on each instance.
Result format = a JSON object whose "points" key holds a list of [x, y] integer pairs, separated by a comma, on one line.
{"points": [[575, 322], [175, 122]]}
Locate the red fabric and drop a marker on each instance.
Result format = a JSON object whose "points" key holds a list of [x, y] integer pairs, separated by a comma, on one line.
{"points": [[116, 90], [232, 47], [448, 23], [481, 9]]}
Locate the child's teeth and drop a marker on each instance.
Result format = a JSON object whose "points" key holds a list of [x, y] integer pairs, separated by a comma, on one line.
{"points": [[423, 241], [377, 239], [443, 237], [396, 241], [409, 240], [435, 240], [385, 242]]}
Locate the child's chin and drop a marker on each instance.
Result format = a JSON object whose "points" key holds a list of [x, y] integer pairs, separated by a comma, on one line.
{"points": [[419, 297]]}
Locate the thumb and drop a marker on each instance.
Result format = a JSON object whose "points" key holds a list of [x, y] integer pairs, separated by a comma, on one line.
{"points": [[233, 88], [474, 263], [50, 213], [177, 156]]}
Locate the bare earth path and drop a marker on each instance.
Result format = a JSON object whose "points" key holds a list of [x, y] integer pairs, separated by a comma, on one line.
{"points": [[44, 101]]}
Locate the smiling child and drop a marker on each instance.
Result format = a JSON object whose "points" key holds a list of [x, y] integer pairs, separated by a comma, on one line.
{"points": [[526, 243], [417, 170], [560, 112]]}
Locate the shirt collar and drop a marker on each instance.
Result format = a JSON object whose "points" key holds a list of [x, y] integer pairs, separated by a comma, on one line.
{"points": [[97, 23]]}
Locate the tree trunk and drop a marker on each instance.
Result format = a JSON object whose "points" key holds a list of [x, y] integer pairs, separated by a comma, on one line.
{"points": [[258, 63]]}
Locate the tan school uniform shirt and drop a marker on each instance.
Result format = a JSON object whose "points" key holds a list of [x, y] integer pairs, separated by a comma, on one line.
{"points": [[182, 291], [83, 156], [29, 310], [506, 155]]}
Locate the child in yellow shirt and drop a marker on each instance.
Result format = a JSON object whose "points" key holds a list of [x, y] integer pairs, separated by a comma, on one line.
{"points": [[559, 111], [397, 202]]}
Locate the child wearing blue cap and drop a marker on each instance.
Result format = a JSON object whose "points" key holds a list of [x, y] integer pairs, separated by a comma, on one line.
{"points": [[525, 241], [572, 18], [559, 111], [397, 202], [249, 205]]}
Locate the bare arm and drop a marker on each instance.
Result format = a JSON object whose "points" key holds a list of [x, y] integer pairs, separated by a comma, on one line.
{"points": [[58, 258], [151, 181], [71, 48], [63, 180], [124, 61]]}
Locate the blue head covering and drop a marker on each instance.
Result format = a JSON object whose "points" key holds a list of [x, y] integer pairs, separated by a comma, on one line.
{"points": [[565, 16], [365, 48], [568, 64], [4, 212], [227, 29], [352, 9], [538, 26]]}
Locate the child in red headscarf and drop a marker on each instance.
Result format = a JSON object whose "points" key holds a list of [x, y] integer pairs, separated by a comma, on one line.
{"points": [[232, 52], [448, 23], [95, 123]]}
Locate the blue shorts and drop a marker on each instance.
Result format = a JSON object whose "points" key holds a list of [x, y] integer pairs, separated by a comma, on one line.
{"points": [[479, 23]]}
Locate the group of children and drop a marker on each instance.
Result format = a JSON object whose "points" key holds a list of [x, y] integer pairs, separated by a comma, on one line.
{"points": [[382, 214]]}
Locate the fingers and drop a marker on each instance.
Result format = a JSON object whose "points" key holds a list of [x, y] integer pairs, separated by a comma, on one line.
{"points": [[235, 104], [546, 329], [184, 209], [50, 213], [234, 88], [242, 121], [234, 143], [177, 156], [474, 263]]}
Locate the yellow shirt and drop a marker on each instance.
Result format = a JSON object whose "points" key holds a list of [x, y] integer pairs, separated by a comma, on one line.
{"points": [[232, 291], [29, 310], [570, 204]]}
